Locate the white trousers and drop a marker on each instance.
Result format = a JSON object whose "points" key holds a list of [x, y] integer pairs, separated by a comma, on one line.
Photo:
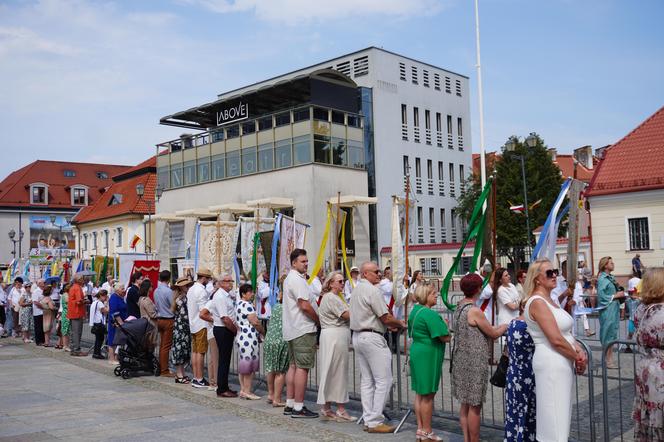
{"points": [[375, 361]]}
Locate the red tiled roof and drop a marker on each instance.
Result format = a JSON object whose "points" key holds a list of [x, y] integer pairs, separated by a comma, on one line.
{"points": [[434, 246], [130, 204], [148, 165], [565, 163], [635, 162], [15, 188]]}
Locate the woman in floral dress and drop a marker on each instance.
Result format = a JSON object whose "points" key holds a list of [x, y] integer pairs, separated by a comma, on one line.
{"points": [[25, 318], [648, 412], [275, 354], [181, 349], [64, 322], [520, 418]]}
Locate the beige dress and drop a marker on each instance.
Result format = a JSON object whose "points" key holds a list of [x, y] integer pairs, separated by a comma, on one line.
{"points": [[334, 341], [149, 312], [49, 313]]}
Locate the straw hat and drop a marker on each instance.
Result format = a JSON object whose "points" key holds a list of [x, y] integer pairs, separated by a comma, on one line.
{"points": [[183, 282], [204, 272]]}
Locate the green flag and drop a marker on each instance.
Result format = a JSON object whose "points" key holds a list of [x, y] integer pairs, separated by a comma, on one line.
{"points": [[476, 228]]}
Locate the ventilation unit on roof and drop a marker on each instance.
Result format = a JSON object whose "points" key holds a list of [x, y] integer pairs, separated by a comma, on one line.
{"points": [[361, 66], [344, 68]]}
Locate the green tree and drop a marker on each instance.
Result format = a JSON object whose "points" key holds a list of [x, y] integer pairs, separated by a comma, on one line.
{"points": [[543, 181]]}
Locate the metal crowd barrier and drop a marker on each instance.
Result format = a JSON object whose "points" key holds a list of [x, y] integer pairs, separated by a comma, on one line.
{"points": [[586, 416], [618, 390]]}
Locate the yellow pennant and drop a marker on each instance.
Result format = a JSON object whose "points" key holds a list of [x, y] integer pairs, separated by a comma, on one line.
{"points": [[323, 246]]}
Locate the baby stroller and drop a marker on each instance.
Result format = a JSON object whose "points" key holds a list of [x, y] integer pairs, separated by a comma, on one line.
{"points": [[134, 353]]}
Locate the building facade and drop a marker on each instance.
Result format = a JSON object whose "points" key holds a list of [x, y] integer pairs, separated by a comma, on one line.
{"points": [[291, 147], [38, 201], [108, 226], [416, 121], [626, 199]]}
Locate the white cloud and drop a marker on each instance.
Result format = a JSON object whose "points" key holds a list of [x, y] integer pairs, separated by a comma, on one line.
{"points": [[294, 12]]}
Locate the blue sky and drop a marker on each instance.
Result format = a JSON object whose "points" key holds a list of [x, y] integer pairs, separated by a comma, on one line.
{"points": [[89, 80]]}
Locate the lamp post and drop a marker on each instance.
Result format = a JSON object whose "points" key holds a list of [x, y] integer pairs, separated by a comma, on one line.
{"points": [[510, 146], [12, 235], [140, 191]]}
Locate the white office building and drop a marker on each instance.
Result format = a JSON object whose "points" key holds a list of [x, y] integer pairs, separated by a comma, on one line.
{"points": [[413, 116]]}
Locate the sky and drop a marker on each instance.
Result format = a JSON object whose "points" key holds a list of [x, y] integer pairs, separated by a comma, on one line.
{"points": [[89, 80]]}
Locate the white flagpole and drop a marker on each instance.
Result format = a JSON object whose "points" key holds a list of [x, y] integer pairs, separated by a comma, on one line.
{"points": [[479, 94]]}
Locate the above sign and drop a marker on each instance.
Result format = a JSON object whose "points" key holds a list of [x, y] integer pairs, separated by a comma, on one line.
{"points": [[234, 113]]}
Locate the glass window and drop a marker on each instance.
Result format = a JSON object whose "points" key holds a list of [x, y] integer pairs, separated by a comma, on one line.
{"points": [[337, 117], [416, 117], [249, 165], [339, 156], [265, 123], [639, 233], [282, 119], [282, 154], [265, 157], [449, 124], [118, 237], [248, 128], [460, 127], [85, 241], [218, 167], [320, 114], [217, 136], [404, 114], [79, 196], [322, 149], [38, 195], [163, 180], [301, 150], [203, 170], [189, 171], [427, 119], [233, 131], [233, 163], [353, 120], [301, 114], [176, 175], [176, 146], [70, 173], [355, 154], [438, 122]]}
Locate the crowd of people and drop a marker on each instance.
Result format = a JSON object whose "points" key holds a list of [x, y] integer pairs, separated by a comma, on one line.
{"points": [[207, 318]]}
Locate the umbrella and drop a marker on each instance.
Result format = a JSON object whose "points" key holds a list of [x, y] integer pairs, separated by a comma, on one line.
{"points": [[86, 273], [52, 280]]}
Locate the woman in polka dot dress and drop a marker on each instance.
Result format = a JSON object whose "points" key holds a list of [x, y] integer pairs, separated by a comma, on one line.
{"points": [[246, 341]]}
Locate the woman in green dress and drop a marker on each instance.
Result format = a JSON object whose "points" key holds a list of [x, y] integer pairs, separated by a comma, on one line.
{"points": [[608, 300], [64, 322], [275, 353], [429, 334]]}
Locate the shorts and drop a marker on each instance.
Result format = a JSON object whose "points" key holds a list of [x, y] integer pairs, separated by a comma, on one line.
{"points": [[199, 343], [302, 351]]}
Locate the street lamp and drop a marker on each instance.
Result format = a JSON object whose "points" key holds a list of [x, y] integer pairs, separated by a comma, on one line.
{"points": [[510, 146], [60, 226], [12, 235]]}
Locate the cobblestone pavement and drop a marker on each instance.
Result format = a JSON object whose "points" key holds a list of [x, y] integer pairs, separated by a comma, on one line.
{"points": [[47, 395]]}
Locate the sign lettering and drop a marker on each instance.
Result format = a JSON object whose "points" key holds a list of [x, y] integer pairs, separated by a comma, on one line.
{"points": [[234, 113]]}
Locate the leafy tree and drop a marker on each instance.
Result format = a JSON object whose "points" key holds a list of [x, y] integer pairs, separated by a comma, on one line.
{"points": [[543, 180]]}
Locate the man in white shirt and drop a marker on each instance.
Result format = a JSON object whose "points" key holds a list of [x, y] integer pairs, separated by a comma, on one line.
{"points": [[197, 297], [14, 296], [263, 307], [108, 284], [220, 312], [38, 313], [348, 287], [369, 318], [299, 328]]}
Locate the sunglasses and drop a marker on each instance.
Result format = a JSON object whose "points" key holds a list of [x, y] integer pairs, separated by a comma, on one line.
{"points": [[551, 273]]}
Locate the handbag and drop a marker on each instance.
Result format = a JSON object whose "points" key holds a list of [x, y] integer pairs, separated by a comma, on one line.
{"points": [[406, 366], [499, 377], [97, 327]]}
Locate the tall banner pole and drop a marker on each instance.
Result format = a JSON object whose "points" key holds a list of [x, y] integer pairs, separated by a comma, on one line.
{"points": [[406, 265]]}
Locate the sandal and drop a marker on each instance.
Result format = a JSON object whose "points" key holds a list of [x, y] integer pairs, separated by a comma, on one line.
{"points": [[58, 347], [278, 404], [345, 417], [269, 401], [420, 435], [327, 414], [432, 436], [183, 380]]}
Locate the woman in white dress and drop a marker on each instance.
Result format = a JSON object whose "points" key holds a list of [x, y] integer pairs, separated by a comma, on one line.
{"points": [[334, 317], [557, 354], [507, 295]]}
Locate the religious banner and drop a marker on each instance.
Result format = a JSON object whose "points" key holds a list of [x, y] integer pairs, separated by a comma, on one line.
{"points": [[215, 247], [186, 268], [247, 234], [291, 237], [149, 269]]}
